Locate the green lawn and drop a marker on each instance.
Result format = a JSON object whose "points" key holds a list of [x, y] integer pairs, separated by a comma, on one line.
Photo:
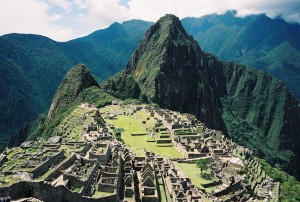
{"points": [[137, 143], [162, 193], [77, 189], [101, 194], [193, 173]]}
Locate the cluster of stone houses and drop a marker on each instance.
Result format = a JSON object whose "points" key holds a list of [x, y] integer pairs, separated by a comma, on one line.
{"points": [[100, 168], [189, 136]]}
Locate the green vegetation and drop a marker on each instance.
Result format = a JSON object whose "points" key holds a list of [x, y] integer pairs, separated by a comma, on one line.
{"points": [[259, 120], [162, 191], [33, 66], [77, 189], [39, 63], [74, 124], [289, 186], [275, 47], [101, 194], [254, 108], [192, 171], [202, 164], [123, 87], [118, 133], [138, 143], [77, 87]]}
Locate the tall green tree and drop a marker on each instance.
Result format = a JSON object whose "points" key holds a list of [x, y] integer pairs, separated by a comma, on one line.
{"points": [[203, 164]]}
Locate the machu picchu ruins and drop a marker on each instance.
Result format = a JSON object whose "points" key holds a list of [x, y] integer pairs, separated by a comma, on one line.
{"points": [[129, 152]]}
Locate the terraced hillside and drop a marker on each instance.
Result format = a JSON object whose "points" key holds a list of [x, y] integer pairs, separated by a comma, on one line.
{"points": [[151, 149]]}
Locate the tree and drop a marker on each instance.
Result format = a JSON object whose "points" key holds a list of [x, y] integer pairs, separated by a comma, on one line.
{"points": [[202, 164], [117, 132], [97, 113]]}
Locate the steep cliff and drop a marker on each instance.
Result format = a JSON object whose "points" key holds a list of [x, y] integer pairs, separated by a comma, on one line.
{"points": [[256, 110], [76, 80]]}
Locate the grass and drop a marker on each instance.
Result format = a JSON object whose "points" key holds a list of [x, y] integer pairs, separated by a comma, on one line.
{"points": [[193, 173], [137, 143], [142, 115], [9, 181], [101, 194], [14, 151], [162, 194], [73, 123], [77, 189]]}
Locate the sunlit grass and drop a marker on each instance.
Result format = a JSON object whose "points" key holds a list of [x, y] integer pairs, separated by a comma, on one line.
{"points": [[138, 143]]}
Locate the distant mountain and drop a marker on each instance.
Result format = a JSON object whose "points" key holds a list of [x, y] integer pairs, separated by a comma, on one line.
{"points": [[32, 67], [255, 109], [266, 44]]}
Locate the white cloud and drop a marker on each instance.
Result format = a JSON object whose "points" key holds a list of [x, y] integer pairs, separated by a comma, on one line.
{"points": [[68, 5], [30, 16], [66, 19], [65, 4], [102, 13], [55, 17], [152, 10]]}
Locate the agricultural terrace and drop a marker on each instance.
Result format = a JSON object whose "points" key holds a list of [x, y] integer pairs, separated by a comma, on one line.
{"points": [[72, 126], [191, 171], [136, 134]]}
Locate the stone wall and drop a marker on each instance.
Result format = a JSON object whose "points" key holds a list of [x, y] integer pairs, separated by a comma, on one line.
{"points": [[46, 192], [73, 181], [231, 188], [110, 188], [181, 149], [16, 190], [191, 155], [85, 149], [65, 165], [211, 184], [149, 199], [43, 168], [89, 182]]}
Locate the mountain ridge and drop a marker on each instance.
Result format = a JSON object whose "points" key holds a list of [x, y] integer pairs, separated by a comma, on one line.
{"points": [[252, 40], [43, 62]]}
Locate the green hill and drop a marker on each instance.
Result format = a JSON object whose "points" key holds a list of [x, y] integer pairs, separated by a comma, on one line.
{"points": [[266, 44], [33, 67]]}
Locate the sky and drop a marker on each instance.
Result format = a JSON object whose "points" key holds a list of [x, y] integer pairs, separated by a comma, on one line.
{"points": [[63, 20]]}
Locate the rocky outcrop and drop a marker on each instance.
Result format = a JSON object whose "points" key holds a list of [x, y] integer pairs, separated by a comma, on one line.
{"points": [[76, 80], [252, 107]]}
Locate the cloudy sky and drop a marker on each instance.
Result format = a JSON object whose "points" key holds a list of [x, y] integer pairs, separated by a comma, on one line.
{"points": [[63, 20]]}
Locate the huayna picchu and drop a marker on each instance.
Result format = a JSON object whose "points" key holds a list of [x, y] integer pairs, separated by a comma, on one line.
{"points": [[251, 107], [176, 125]]}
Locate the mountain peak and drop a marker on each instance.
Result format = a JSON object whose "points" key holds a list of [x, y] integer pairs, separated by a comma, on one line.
{"points": [[159, 43], [170, 27], [168, 18], [167, 68], [76, 80]]}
